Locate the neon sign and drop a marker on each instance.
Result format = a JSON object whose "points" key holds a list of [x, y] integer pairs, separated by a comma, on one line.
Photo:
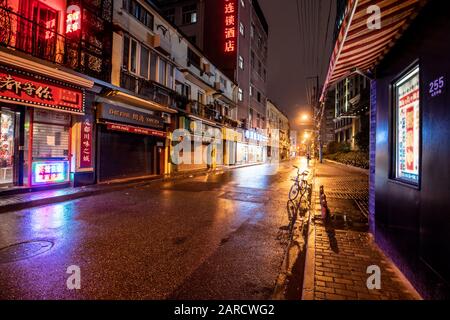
{"points": [[230, 26], [50, 26], [73, 19], [50, 172]]}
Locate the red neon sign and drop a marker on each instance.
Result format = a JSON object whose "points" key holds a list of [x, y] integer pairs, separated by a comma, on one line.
{"points": [[17, 88], [230, 26], [73, 18], [50, 26]]}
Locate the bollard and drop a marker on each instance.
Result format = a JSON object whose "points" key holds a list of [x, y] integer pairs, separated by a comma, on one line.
{"points": [[325, 211]]}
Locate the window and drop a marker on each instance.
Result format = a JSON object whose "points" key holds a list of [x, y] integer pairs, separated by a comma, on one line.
{"points": [[241, 28], [259, 67], [170, 15], [223, 81], [201, 97], [170, 70], [194, 58], [258, 96], [407, 127], [240, 95], [243, 3], [133, 58], [126, 52], [189, 14], [252, 30], [153, 65], [145, 53], [139, 12], [162, 72], [251, 91], [241, 62]]}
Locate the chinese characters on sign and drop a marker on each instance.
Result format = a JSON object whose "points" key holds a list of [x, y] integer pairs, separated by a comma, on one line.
{"points": [[86, 143], [73, 19], [50, 172], [18, 88], [230, 26], [408, 127]]}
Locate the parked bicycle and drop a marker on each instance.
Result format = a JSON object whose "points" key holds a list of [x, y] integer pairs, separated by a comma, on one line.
{"points": [[300, 187]]}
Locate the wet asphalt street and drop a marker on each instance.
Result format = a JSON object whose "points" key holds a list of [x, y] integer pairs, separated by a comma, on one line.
{"points": [[220, 236]]}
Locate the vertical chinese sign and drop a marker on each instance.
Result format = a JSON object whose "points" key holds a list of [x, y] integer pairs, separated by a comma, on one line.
{"points": [[408, 127], [230, 11], [86, 143]]}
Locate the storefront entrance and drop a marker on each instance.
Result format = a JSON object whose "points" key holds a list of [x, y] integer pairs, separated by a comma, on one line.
{"points": [[9, 147], [126, 155], [130, 143]]}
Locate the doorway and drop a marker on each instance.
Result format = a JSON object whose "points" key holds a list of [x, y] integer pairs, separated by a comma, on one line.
{"points": [[9, 159]]}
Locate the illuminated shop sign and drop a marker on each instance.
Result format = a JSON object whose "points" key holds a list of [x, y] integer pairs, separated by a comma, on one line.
{"points": [[129, 116], [23, 88], [50, 172], [408, 127], [86, 143], [137, 130], [230, 25], [73, 19], [252, 135]]}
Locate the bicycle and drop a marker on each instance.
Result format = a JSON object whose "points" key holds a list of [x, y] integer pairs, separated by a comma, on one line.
{"points": [[300, 186]]}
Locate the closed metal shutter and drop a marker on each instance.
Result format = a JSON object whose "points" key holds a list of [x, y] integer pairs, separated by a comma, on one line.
{"points": [[50, 141], [124, 155]]}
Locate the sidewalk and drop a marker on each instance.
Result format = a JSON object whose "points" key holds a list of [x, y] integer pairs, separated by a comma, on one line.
{"points": [[339, 251]]}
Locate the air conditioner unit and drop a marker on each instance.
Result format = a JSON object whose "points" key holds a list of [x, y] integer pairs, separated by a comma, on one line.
{"points": [[166, 117], [159, 43]]}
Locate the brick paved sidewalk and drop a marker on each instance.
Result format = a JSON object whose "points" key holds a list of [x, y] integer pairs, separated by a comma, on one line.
{"points": [[340, 250]]}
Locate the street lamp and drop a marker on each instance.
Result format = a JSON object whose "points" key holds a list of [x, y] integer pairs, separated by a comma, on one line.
{"points": [[305, 117]]}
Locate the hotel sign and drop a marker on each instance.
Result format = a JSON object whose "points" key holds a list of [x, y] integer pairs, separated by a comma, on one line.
{"points": [[230, 23], [38, 91]]}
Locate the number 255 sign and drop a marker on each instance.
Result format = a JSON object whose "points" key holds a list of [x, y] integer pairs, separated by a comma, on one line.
{"points": [[437, 87]]}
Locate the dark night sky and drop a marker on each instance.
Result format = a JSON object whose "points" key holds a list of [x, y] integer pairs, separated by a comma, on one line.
{"points": [[298, 48]]}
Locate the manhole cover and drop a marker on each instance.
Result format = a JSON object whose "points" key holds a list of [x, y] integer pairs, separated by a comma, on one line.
{"points": [[244, 197], [24, 250]]}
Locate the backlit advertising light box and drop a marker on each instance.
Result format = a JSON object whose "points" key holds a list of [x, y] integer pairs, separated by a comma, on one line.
{"points": [[50, 172], [408, 127]]}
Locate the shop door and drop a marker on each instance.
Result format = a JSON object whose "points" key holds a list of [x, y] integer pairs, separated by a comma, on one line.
{"points": [[9, 160], [124, 155]]}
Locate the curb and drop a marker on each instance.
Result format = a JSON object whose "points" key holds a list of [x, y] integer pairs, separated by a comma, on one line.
{"points": [[310, 255], [366, 171], [108, 188]]}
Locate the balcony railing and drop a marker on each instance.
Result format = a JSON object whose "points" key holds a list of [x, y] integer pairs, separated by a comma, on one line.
{"points": [[41, 40], [152, 90]]}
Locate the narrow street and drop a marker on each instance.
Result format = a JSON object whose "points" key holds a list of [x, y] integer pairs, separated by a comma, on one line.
{"points": [[221, 236]]}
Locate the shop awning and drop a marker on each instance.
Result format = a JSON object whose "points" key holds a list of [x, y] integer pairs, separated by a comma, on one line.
{"points": [[359, 48], [136, 101]]}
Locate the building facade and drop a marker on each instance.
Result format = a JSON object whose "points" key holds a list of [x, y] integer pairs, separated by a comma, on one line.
{"points": [[351, 109], [277, 125], [96, 93], [53, 58], [409, 125], [234, 35]]}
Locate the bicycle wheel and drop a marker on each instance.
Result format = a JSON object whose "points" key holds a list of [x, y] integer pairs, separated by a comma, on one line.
{"points": [[294, 192], [292, 210]]}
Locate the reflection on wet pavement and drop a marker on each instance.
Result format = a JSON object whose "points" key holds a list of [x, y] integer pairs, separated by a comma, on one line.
{"points": [[206, 237]]}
